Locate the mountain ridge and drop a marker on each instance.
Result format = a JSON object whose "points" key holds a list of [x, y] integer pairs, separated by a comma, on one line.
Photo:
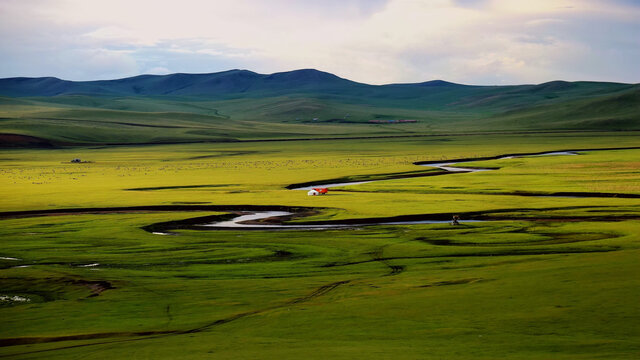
{"points": [[236, 81]]}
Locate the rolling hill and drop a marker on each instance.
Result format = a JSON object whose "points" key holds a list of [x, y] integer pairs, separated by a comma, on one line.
{"points": [[243, 105], [220, 85]]}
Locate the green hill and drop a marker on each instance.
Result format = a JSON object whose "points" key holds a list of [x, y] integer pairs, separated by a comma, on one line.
{"points": [[243, 105]]}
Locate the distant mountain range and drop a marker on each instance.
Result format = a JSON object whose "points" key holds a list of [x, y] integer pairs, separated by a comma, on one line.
{"points": [[214, 84], [243, 82], [240, 104], [220, 85]]}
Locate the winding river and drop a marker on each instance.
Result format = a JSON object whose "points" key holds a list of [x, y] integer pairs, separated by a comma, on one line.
{"points": [[250, 220], [244, 222], [274, 217]]}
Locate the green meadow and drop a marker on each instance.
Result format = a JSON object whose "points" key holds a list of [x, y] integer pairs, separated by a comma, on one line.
{"points": [[551, 273]]}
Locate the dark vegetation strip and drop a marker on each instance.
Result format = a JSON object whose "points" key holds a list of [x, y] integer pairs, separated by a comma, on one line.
{"points": [[106, 122], [39, 340], [100, 286], [7, 142], [575, 194], [164, 208], [455, 134], [148, 125], [579, 194], [514, 252], [23, 141], [223, 153], [454, 282], [552, 239], [177, 187], [487, 215], [496, 157]]}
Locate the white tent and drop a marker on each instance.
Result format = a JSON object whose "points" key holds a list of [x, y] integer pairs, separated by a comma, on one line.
{"points": [[313, 193]]}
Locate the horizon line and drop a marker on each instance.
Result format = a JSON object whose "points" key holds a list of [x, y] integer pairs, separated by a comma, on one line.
{"points": [[312, 69]]}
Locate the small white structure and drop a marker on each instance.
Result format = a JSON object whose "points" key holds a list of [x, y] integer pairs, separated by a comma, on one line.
{"points": [[313, 193]]}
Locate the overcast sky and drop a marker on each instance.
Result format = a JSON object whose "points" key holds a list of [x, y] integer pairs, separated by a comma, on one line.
{"points": [[372, 41]]}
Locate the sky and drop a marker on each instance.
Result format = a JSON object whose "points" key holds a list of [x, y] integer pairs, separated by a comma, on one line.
{"points": [[483, 42]]}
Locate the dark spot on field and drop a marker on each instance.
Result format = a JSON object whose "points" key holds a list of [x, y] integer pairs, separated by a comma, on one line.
{"points": [[495, 253], [453, 282], [177, 187], [52, 288], [548, 239], [191, 276], [190, 202], [97, 287], [440, 242], [23, 141], [278, 255], [143, 125], [396, 269], [318, 292], [492, 263], [225, 154], [282, 254], [550, 251]]}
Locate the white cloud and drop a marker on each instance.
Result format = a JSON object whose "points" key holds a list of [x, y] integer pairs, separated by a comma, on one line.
{"points": [[468, 41], [542, 22]]}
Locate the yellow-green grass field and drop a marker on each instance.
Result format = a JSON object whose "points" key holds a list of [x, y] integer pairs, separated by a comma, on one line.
{"points": [[547, 277]]}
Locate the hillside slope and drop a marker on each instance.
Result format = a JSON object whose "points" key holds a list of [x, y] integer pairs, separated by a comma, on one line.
{"points": [[240, 105]]}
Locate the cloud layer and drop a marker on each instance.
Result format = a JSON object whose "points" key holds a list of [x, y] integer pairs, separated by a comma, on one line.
{"points": [[373, 41]]}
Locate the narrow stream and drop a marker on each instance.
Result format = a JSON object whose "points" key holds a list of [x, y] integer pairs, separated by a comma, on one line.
{"points": [[450, 166], [240, 221], [446, 166]]}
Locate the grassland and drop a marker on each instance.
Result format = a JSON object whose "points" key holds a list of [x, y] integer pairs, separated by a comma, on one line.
{"points": [[554, 277]]}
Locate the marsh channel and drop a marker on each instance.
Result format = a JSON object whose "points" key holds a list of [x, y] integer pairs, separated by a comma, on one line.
{"points": [[251, 219]]}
